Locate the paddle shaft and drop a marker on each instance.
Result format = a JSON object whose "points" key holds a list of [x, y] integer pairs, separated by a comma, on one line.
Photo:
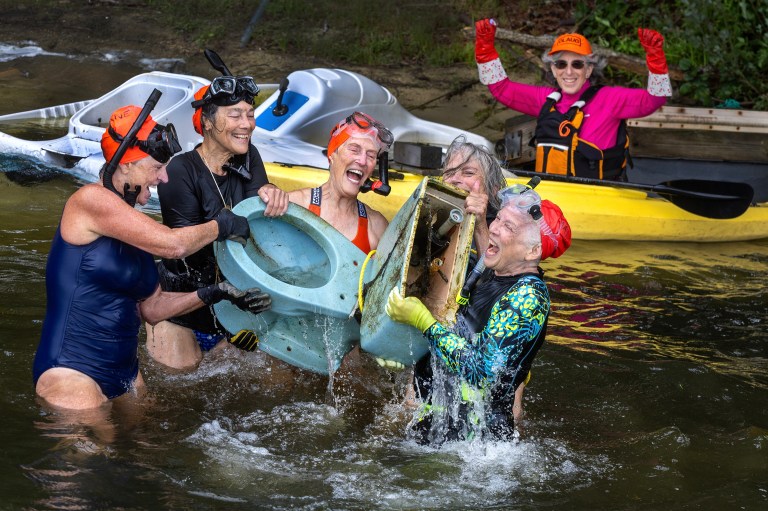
{"points": [[660, 189], [696, 196]]}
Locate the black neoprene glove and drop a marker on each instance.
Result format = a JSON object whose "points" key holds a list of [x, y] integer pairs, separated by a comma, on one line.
{"points": [[232, 227], [250, 300]]}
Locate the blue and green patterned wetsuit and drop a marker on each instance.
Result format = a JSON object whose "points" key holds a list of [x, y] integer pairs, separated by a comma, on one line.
{"points": [[496, 360]]}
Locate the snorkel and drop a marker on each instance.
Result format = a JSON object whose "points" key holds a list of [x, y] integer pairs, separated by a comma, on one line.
{"points": [[128, 141], [226, 90]]}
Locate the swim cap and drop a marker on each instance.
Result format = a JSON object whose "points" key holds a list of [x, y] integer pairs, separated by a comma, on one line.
{"points": [[120, 122], [556, 236], [359, 125], [576, 43], [197, 117]]}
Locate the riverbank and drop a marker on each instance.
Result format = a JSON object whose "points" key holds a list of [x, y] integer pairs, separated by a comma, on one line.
{"points": [[133, 30]]}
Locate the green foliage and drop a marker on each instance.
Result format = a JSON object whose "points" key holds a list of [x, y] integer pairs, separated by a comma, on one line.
{"points": [[721, 47]]}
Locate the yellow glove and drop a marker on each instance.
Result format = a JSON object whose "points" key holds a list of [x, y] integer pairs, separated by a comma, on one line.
{"points": [[390, 364], [408, 310], [245, 340]]}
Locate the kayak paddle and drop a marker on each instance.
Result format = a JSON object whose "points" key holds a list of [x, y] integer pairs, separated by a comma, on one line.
{"points": [[711, 199]]}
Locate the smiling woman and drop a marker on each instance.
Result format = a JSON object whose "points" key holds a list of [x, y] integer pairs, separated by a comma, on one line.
{"points": [[225, 169], [353, 149], [581, 126], [100, 276]]}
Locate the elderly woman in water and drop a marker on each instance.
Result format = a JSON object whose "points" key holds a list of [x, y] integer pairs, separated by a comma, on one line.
{"points": [[101, 278]]}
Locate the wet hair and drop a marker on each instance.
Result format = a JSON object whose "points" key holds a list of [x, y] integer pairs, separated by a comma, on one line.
{"points": [[493, 178], [208, 112], [598, 63]]}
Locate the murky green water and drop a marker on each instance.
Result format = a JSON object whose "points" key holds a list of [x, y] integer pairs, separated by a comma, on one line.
{"points": [[649, 394]]}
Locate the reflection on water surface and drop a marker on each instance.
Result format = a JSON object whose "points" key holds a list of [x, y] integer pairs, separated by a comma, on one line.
{"points": [[650, 393]]}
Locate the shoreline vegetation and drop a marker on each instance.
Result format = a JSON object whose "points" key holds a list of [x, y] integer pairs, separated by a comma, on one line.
{"points": [[717, 49]]}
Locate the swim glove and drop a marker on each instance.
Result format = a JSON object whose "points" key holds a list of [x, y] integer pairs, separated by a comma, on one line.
{"points": [[232, 227], [485, 33], [409, 310], [245, 340], [250, 300]]}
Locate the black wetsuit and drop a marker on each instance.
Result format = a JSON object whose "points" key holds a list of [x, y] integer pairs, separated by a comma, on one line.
{"points": [[190, 197]]}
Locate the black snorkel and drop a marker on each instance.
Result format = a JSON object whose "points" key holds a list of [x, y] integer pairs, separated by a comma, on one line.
{"points": [[128, 140], [381, 185], [218, 64]]}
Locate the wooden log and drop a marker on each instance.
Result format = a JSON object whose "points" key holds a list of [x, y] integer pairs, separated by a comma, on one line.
{"points": [[618, 60]]}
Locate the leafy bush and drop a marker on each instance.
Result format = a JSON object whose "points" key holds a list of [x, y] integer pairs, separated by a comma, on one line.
{"points": [[721, 47]]}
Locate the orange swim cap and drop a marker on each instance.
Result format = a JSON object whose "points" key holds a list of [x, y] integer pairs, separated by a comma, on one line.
{"points": [[359, 125], [576, 43], [197, 117], [121, 121]]}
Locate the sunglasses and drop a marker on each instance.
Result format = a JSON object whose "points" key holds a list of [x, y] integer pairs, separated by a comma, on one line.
{"points": [[161, 144], [575, 64], [364, 122]]}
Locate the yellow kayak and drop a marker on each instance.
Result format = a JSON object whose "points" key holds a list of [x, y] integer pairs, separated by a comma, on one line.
{"points": [[594, 212]]}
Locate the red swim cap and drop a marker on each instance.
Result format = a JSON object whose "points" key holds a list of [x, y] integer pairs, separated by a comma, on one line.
{"points": [[554, 243], [121, 121]]}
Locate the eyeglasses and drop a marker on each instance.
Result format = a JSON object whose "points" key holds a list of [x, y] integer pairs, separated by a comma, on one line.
{"points": [[365, 122], [161, 144], [575, 64]]}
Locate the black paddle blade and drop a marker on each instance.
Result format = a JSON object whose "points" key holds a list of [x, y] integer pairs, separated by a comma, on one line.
{"points": [[710, 199], [216, 62]]}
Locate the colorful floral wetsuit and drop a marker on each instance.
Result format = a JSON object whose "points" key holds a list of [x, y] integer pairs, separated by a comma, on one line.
{"points": [[494, 362]]}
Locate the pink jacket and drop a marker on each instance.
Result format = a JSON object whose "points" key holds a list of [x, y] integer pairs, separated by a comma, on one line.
{"points": [[602, 114]]}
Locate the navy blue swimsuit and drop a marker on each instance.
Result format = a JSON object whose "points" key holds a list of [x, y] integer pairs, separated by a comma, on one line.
{"points": [[92, 318]]}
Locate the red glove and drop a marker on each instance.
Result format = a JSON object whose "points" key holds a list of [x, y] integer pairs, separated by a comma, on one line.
{"points": [[653, 44], [485, 33]]}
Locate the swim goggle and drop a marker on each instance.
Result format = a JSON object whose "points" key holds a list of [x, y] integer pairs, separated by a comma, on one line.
{"points": [[229, 90], [521, 196], [161, 143], [366, 123]]}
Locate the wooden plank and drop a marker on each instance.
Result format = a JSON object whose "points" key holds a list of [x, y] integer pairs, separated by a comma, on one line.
{"points": [[705, 119], [698, 144]]}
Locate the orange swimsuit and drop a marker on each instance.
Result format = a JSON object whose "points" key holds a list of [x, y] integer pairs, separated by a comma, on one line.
{"points": [[361, 238]]}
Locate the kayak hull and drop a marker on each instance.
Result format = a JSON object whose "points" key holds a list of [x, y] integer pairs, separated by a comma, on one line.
{"points": [[594, 212]]}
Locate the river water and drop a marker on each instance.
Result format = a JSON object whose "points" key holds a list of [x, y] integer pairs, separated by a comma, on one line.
{"points": [[650, 393]]}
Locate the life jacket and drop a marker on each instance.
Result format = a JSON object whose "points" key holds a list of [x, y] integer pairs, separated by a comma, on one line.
{"points": [[560, 150]]}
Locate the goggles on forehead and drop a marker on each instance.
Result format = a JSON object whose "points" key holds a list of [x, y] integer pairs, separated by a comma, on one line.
{"points": [[522, 197], [364, 123], [161, 144], [229, 90]]}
